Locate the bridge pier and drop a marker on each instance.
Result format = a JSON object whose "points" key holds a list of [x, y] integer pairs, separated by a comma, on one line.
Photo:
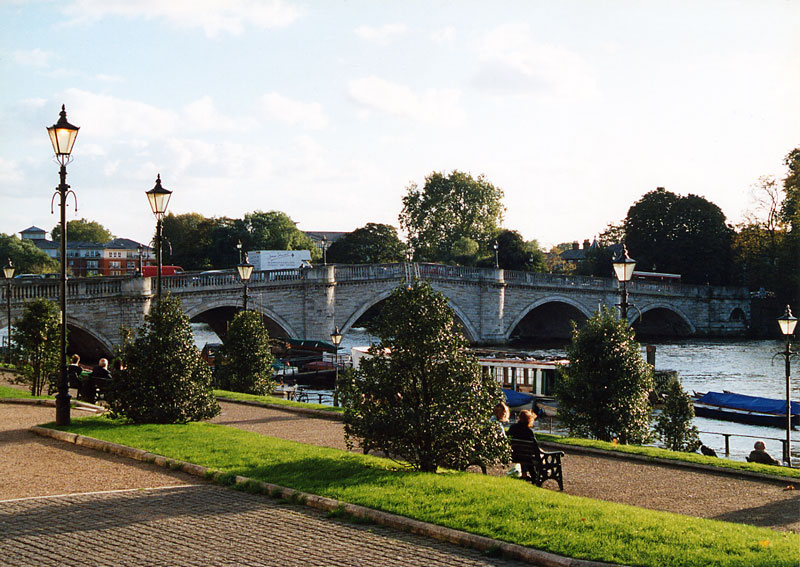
{"points": [[492, 306]]}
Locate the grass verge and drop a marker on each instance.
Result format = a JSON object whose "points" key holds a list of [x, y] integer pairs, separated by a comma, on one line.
{"points": [[17, 393], [500, 508], [655, 452], [272, 400]]}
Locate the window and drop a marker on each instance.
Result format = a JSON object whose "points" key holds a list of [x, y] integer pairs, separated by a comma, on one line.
{"points": [[115, 265]]}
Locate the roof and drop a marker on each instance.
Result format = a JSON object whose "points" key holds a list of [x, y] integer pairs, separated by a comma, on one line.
{"points": [[33, 230], [123, 244]]}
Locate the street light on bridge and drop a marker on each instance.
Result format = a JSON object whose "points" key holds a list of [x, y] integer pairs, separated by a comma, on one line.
{"points": [[62, 136], [8, 272], [158, 197], [623, 268], [787, 323], [245, 269]]}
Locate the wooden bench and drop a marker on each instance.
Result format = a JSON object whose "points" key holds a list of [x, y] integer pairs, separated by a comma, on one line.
{"points": [[541, 465]]}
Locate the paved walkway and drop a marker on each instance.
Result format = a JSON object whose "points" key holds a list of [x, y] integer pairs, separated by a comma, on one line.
{"points": [[49, 517]]}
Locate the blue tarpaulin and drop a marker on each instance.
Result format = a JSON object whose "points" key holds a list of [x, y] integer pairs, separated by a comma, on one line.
{"points": [[516, 399], [747, 403]]}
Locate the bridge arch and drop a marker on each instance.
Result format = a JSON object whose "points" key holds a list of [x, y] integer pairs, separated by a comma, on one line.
{"points": [[662, 319], [230, 306], [89, 344], [553, 304], [469, 329]]}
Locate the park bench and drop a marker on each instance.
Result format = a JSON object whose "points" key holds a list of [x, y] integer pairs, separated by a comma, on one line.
{"points": [[541, 465]]}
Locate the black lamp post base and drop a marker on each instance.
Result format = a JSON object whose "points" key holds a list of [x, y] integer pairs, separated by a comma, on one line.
{"points": [[62, 409]]}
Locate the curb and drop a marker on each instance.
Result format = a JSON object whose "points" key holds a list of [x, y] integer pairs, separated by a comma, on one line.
{"points": [[464, 539]]}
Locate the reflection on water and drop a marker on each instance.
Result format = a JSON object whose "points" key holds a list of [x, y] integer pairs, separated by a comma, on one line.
{"points": [[741, 366]]}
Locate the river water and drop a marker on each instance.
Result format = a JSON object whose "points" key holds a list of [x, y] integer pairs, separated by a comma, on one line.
{"points": [[741, 366]]}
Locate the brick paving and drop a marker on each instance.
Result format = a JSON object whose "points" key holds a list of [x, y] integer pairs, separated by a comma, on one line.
{"points": [[203, 525]]}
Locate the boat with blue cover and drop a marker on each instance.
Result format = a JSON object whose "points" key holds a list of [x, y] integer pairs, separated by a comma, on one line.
{"points": [[741, 408]]}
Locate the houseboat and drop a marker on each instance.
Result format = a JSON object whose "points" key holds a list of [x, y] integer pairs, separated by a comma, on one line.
{"points": [[741, 408]]}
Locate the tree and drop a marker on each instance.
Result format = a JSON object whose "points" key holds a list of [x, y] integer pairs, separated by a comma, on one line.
{"points": [[83, 230], [603, 392], [686, 235], [674, 425], [448, 208], [421, 398], [163, 379], [245, 360], [189, 237], [371, 244], [596, 262], [513, 253], [790, 213], [25, 256], [38, 343]]}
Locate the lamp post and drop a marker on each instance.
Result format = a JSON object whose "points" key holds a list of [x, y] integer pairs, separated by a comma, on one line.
{"points": [[623, 268], [8, 272], [496, 257], [62, 136], [245, 270], [324, 250], [140, 249], [787, 323], [336, 339], [158, 198], [239, 248]]}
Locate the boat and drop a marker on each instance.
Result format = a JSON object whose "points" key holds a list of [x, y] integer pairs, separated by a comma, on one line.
{"points": [[535, 376], [741, 408], [517, 401]]}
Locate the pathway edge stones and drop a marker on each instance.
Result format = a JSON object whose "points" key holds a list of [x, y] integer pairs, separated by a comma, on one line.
{"points": [[464, 539]]}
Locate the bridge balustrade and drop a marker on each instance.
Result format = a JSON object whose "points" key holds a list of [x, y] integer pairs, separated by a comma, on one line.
{"points": [[369, 272]]}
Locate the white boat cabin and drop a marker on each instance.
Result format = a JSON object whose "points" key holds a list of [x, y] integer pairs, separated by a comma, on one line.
{"points": [[533, 376]]}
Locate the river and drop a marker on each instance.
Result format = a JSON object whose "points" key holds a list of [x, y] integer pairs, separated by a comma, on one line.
{"points": [[741, 366]]}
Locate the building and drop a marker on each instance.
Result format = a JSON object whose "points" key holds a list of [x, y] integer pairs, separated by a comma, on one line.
{"points": [[120, 257]]}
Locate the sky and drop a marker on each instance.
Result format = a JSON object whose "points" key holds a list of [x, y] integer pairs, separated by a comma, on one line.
{"points": [[328, 110]]}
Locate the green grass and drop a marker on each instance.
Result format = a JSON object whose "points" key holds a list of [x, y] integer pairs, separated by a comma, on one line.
{"points": [[500, 508], [274, 401], [655, 452], [9, 392]]}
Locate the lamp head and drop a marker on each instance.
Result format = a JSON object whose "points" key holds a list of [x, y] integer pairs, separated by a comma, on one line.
{"points": [[158, 197], [336, 337], [624, 266], [8, 270], [62, 136], [787, 322], [245, 270]]}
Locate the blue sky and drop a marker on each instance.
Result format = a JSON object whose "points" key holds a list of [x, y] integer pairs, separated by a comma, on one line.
{"points": [[328, 110]]}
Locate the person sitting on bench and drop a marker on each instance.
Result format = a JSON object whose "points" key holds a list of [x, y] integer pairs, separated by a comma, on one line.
{"points": [[100, 378], [74, 372], [522, 430]]}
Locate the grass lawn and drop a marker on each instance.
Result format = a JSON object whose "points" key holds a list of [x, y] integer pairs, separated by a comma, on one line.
{"points": [[273, 401], [10, 392], [501, 508]]}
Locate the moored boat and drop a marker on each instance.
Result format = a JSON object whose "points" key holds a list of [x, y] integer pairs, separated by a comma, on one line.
{"points": [[741, 408]]}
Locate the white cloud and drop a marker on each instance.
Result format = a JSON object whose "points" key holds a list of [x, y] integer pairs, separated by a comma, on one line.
{"points": [[382, 35], [213, 16], [445, 35], [203, 116], [429, 106], [513, 62], [10, 171], [38, 58], [309, 115], [106, 78]]}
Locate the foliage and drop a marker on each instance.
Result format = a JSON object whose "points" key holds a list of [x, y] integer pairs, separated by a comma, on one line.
{"points": [[83, 230], [555, 264], [486, 505], [513, 253], [674, 424], [189, 237], [421, 397], [37, 339], [163, 379], [371, 244], [245, 361], [613, 234], [790, 213], [596, 262], [464, 251], [688, 235], [603, 393], [25, 256], [447, 208]]}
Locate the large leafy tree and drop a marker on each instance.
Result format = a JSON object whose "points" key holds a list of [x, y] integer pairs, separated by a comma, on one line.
{"points": [[603, 392], [790, 213], [686, 235], [83, 230], [37, 342], [189, 238], [421, 398], [447, 208], [514, 253], [273, 230], [25, 256], [245, 361], [371, 244], [163, 379]]}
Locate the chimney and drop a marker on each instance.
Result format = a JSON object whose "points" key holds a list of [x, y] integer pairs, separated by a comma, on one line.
{"points": [[575, 245], [586, 244]]}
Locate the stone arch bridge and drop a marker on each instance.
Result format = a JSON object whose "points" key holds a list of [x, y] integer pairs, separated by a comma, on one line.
{"points": [[492, 305]]}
